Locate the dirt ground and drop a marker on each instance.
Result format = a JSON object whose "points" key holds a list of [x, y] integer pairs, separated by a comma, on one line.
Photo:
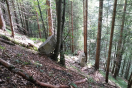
{"points": [[45, 70]]}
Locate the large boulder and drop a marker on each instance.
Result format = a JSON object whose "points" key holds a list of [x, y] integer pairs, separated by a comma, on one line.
{"points": [[48, 46], [82, 59]]}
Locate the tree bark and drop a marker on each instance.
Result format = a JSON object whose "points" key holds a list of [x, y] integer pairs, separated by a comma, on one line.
{"points": [[130, 81], [38, 25], [58, 44], [99, 34], [2, 21], [85, 11], [124, 63], [15, 14], [118, 59], [12, 35], [127, 69], [72, 26], [42, 19], [49, 18], [62, 57], [110, 43]]}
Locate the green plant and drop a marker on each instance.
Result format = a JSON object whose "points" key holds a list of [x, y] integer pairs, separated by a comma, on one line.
{"points": [[41, 70], [18, 55], [17, 61], [90, 79], [118, 81], [3, 48], [26, 63]]}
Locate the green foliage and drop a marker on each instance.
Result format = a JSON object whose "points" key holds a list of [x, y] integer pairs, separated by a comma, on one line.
{"points": [[26, 63], [36, 39], [18, 61], [3, 48], [41, 70], [74, 85], [118, 81], [91, 80]]}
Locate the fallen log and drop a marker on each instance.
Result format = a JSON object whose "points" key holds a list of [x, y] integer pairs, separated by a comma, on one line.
{"points": [[31, 79], [7, 42]]}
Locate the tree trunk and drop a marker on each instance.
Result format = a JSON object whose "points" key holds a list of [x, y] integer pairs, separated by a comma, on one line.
{"points": [[118, 59], [72, 26], [62, 58], [124, 63], [49, 18], [127, 69], [58, 44], [2, 21], [110, 43], [85, 11], [38, 25], [42, 19], [15, 14], [12, 35], [99, 34], [130, 81]]}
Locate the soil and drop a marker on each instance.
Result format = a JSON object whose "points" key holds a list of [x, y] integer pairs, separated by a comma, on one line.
{"points": [[45, 70]]}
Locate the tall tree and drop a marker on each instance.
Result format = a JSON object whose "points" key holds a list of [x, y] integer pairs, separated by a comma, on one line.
{"points": [[72, 26], [130, 81], [57, 48], [15, 14], [49, 17], [2, 21], [62, 58], [9, 13], [38, 24], [111, 38], [85, 11], [119, 49], [42, 19], [99, 34]]}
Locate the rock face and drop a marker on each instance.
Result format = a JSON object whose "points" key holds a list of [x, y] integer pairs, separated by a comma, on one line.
{"points": [[2, 22], [82, 59], [48, 46]]}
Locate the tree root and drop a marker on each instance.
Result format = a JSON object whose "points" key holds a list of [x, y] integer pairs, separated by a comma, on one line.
{"points": [[31, 79]]}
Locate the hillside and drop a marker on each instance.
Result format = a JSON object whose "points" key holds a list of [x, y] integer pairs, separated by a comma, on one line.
{"points": [[42, 68]]}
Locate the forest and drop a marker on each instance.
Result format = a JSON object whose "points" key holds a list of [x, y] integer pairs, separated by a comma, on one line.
{"points": [[65, 43]]}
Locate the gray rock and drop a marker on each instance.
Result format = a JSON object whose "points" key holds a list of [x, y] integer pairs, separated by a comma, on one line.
{"points": [[48, 46], [82, 59]]}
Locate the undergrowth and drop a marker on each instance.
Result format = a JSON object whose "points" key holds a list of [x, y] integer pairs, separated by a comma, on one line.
{"points": [[118, 81]]}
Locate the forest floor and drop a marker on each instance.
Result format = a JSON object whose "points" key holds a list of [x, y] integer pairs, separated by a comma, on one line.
{"points": [[45, 70]]}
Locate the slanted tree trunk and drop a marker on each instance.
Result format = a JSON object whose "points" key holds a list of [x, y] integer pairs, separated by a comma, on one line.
{"points": [[118, 59], [110, 43], [42, 19], [49, 18], [99, 34], [85, 11], [12, 35]]}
